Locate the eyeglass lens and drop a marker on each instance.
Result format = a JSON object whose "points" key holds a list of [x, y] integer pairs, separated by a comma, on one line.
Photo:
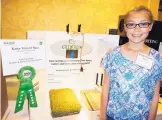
{"points": [[141, 25]]}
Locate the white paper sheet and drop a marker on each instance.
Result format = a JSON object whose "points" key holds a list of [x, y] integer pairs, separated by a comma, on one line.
{"points": [[19, 53]]}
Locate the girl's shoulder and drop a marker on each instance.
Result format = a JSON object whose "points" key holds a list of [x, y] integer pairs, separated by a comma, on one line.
{"points": [[154, 53], [113, 50]]}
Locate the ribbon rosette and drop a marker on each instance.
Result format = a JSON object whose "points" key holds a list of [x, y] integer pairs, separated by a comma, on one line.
{"points": [[26, 75]]}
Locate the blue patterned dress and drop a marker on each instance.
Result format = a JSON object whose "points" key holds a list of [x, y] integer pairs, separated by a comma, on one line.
{"points": [[131, 86]]}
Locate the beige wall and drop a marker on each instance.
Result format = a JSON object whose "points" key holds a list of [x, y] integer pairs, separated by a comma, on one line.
{"points": [[0, 60], [153, 5], [96, 16], [3, 87], [160, 16]]}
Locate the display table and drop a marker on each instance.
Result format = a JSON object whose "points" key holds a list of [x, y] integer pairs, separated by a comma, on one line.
{"points": [[40, 114], [37, 114], [9, 115]]}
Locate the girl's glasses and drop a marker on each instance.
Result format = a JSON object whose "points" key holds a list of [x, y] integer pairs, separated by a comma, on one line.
{"points": [[141, 25]]}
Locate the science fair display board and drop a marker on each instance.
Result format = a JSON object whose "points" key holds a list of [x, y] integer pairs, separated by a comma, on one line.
{"points": [[72, 61]]}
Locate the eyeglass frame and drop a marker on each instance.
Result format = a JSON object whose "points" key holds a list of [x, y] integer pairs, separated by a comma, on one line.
{"points": [[139, 25]]}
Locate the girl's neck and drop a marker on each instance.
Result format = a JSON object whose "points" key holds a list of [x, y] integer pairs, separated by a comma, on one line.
{"points": [[136, 47]]}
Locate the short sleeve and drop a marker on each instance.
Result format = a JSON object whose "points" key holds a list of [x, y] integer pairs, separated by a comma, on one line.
{"points": [[158, 69], [105, 62], [161, 65]]}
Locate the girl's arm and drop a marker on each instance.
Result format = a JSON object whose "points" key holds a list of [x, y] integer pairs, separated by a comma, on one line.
{"points": [[154, 103], [104, 96]]}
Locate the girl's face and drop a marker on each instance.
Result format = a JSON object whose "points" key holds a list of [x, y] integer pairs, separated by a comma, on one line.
{"points": [[137, 26]]}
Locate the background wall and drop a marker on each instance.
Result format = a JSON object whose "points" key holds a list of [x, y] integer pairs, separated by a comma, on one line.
{"points": [[0, 61], [3, 88], [160, 16], [96, 16], [160, 11]]}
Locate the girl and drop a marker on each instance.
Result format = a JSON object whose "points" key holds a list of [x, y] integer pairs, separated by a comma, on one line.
{"points": [[132, 73]]}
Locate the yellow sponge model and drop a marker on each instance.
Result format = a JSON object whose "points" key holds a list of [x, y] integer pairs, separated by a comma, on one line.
{"points": [[63, 102]]}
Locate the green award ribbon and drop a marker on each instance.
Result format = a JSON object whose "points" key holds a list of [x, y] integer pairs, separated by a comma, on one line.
{"points": [[26, 75]]}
